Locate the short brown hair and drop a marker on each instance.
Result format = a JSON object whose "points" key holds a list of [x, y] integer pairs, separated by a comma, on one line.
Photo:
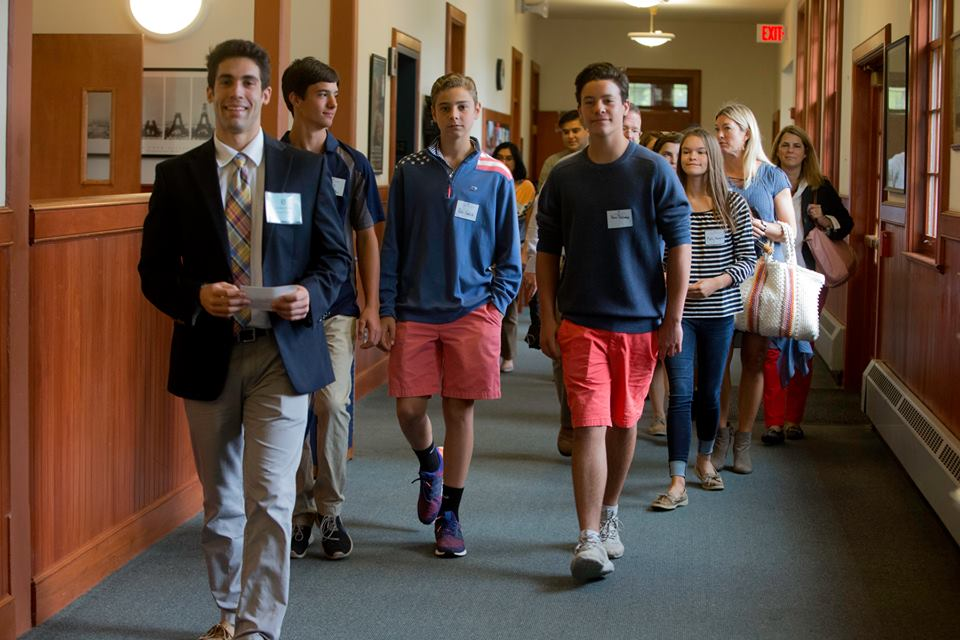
{"points": [[302, 73], [452, 81], [603, 71], [238, 49]]}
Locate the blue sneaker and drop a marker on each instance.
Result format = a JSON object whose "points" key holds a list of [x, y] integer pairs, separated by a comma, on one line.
{"points": [[449, 536], [431, 493]]}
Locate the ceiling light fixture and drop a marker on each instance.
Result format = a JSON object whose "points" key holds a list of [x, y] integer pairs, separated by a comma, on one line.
{"points": [[168, 19], [652, 38], [644, 4]]}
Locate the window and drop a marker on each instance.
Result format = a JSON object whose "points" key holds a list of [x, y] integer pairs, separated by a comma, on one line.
{"points": [[669, 99], [927, 188], [814, 73], [832, 67], [800, 67]]}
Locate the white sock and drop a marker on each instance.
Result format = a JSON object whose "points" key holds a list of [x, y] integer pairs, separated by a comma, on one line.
{"points": [[589, 533], [608, 512]]}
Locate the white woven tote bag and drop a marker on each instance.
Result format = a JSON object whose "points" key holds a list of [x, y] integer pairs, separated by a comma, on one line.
{"points": [[781, 299]]}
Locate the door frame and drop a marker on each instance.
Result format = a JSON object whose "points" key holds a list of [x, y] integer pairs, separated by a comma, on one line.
{"points": [[863, 290], [409, 46]]}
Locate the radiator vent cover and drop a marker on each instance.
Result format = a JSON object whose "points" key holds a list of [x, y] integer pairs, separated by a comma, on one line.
{"points": [[886, 386], [926, 448], [828, 324], [951, 461], [921, 425]]}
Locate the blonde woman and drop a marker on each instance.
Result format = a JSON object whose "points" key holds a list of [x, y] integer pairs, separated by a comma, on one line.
{"points": [[722, 257], [767, 190]]}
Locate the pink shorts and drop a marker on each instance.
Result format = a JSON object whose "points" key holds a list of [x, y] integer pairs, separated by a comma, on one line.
{"points": [[463, 354], [607, 374]]}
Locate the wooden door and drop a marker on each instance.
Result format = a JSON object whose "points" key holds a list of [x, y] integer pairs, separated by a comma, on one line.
{"points": [[533, 165], [86, 108]]}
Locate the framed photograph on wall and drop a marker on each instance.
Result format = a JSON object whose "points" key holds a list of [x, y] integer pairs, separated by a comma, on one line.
{"points": [[496, 129], [378, 90], [176, 115]]}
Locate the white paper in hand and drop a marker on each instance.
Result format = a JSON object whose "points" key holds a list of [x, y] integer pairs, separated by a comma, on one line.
{"points": [[261, 298]]}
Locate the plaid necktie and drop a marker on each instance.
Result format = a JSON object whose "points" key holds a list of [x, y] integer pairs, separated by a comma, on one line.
{"points": [[238, 211]]}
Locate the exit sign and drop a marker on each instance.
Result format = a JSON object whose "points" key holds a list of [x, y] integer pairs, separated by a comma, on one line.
{"points": [[770, 33]]}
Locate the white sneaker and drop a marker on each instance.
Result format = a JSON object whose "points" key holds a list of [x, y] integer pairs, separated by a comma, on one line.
{"points": [[590, 560], [610, 536]]}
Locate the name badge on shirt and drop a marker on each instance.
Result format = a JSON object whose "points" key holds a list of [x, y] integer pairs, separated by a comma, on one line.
{"points": [[283, 208], [339, 184], [467, 210], [619, 219], [715, 237]]}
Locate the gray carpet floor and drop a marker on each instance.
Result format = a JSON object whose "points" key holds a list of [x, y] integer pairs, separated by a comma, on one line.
{"points": [[828, 538]]}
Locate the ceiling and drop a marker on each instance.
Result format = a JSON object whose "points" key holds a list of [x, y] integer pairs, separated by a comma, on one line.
{"points": [[728, 10]]}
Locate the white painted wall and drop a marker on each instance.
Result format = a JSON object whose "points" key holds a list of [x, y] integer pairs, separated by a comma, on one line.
{"points": [[733, 65], [310, 29]]}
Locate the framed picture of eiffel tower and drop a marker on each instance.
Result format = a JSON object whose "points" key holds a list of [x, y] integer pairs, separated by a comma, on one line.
{"points": [[176, 116]]}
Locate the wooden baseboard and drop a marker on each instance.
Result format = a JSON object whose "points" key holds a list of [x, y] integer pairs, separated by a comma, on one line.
{"points": [[86, 567], [7, 630], [371, 378]]}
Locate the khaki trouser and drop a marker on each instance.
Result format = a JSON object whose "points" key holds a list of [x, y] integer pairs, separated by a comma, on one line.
{"points": [[320, 489], [247, 471]]}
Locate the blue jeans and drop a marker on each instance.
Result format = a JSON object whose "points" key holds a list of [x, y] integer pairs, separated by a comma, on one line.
{"points": [[706, 341]]}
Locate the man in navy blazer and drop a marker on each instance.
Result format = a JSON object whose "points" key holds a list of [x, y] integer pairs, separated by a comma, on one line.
{"points": [[244, 372]]}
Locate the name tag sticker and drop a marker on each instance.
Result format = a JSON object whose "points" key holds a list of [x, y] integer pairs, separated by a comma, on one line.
{"points": [[283, 208], [715, 237], [339, 184], [619, 219], [467, 210]]}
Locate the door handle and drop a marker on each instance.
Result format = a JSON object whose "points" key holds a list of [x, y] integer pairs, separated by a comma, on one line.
{"points": [[872, 242]]}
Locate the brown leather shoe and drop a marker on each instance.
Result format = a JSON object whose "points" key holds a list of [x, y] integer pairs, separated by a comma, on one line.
{"points": [[565, 441], [219, 631]]}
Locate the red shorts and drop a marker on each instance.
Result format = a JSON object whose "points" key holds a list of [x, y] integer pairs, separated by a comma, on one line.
{"points": [[607, 374], [463, 356]]}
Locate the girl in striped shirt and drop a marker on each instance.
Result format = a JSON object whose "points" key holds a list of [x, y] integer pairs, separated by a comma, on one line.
{"points": [[723, 256]]}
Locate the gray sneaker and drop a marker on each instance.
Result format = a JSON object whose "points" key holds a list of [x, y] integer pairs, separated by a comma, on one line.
{"points": [[610, 536], [590, 561]]}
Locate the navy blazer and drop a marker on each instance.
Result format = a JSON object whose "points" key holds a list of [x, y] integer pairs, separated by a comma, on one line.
{"points": [[831, 205], [185, 246]]}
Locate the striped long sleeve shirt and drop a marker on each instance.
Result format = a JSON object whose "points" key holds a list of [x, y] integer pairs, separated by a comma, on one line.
{"points": [[716, 251]]}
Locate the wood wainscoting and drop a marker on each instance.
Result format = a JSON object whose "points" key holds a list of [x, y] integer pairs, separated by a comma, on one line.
{"points": [[919, 307], [111, 464]]}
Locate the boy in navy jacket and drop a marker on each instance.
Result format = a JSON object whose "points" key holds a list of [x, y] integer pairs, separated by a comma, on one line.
{"points": [[450, 265], [607, 208]]}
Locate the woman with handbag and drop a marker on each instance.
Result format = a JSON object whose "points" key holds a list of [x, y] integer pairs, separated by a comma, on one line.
{"points": [[509, 155], [721, 235], [767, 191], [816, 205]]}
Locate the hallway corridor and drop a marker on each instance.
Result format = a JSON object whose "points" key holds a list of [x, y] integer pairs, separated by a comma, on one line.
{"points": [[828, 538]]}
